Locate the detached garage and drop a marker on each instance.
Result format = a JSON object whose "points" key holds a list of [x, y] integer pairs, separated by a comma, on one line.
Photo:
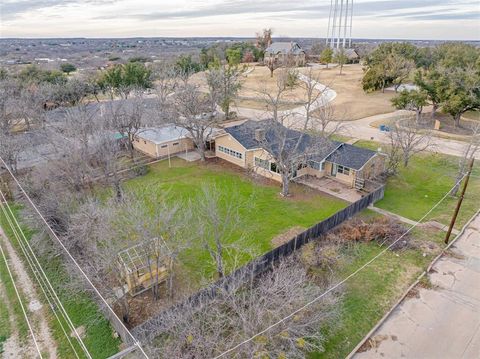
{"points": [[162, 141]]}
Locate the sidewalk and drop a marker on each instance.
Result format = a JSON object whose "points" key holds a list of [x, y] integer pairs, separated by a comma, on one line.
{"points": [[441, 320]]}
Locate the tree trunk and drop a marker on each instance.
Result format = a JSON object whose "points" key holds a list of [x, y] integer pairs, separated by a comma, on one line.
{"points": [[406, 158], [271, 71], [434, 110], [418, 115], [285, 186], [456, 120], [341, 69]]}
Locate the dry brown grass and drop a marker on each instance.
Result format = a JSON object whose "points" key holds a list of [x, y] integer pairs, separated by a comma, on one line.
{"points": [[256, 82], [352, 102]]}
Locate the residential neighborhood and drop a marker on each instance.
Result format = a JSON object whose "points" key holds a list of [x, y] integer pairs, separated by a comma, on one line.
{"points": [[239, 180]]}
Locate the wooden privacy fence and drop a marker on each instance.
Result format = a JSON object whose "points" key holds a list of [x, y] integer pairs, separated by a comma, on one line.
{"points": [[155, 325]]}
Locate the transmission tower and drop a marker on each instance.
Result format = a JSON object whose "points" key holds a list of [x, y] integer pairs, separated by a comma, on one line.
{"points": [[339, 33]]}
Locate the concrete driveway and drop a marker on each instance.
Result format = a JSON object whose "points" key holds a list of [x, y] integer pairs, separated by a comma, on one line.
{"points": [[438, 322], [361, 129]]}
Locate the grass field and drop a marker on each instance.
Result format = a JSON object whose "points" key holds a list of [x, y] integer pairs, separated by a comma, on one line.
{"points": [[267, 215], [371, 293], [424, 182], [82, 310], [352, 103]]}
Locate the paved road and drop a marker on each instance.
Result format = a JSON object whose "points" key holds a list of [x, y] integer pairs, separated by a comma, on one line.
{"points": [[361, 129], [438, 323]]}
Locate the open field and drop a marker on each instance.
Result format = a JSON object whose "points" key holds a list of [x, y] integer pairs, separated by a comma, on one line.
{"points": [[266, 215], [82, 310], [352, 103], [424, 182]]}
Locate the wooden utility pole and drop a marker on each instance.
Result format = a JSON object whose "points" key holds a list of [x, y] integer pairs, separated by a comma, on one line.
{"points": [[460, 200]]}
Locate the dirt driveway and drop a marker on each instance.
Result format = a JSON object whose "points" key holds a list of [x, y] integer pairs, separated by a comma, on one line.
{"points": [[14, 346]]}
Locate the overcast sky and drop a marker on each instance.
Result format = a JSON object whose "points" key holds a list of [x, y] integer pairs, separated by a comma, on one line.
{"points": [[404, 19]]}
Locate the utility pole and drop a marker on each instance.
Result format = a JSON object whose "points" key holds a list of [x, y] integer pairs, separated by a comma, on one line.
{"points": [[460, 200]]}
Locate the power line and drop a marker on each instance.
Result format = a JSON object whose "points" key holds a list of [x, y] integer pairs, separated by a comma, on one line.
{"points": [[42, 280], [135, 341], [21, 303], [332, 288]]}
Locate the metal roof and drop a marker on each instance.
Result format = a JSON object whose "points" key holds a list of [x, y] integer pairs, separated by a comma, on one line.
{"points": [[159, 135]]}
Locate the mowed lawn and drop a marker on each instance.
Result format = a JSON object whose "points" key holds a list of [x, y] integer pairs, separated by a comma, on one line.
{"points": [[418, 187], [265, 215]]}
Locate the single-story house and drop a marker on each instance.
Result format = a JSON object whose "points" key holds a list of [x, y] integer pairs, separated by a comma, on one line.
{"points": [[246, 146], [162, 141], [351, 54], [283, 51]]}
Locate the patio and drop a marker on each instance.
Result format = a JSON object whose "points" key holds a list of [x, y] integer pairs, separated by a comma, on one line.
{"points": [[332, 187]]}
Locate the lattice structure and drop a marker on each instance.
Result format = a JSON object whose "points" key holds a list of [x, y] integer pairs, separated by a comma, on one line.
{"points": [[339, 33], [144, 265]]}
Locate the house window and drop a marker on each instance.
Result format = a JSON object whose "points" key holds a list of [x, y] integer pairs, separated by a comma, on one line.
{"points": [[343, 170], [163, 146], [175, 143], [230, 152], [145, 142], [262, 163], [319, 166], [274, 168]]}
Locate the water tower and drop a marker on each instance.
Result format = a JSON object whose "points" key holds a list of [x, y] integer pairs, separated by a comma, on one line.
{"points": [[339, 33]]}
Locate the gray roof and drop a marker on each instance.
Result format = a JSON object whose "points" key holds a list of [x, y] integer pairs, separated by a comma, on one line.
{"points": [[284, 48], [245, 134], [351, 156], [350, 53], [324, 149], [159, 135]]}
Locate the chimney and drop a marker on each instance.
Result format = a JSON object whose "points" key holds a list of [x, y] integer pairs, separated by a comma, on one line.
{"points": [[260, 134]]}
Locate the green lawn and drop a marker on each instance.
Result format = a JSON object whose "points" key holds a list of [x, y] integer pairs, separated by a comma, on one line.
{"points": [[266, 216], [82, 310], [423, 183]]}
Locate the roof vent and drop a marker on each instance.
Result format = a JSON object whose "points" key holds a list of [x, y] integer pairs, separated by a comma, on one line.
{"points": [[260, 134]]}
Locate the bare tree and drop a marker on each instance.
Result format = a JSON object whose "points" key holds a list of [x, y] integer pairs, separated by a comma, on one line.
{"points": [[217, 219], [11, 147], [125, 117], [9, 94], [224, 84], [411, 140], [272, 64], [208, 328], [93, 242], [195, 112], [469, 152], [285, 138], [320, 115], [327, 121], [106, 157]]}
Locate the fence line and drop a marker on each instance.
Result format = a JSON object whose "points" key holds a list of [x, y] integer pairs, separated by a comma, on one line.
{"points": [[153, 326]]}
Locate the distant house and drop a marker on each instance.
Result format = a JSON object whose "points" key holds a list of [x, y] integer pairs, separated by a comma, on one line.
{"points": [[351, 54], [162, 141], [284, 52], [348, 164]]}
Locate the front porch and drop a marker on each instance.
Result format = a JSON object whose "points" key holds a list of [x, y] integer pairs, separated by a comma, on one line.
{"points": [[331, 186]]}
